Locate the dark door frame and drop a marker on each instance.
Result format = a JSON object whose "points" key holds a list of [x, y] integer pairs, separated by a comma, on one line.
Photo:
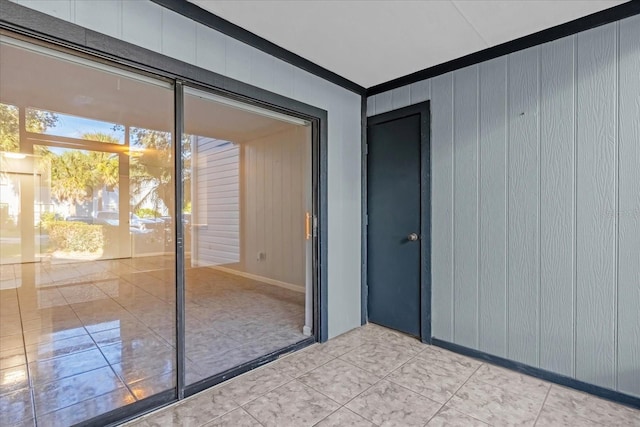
{"points": [[424, 110]]}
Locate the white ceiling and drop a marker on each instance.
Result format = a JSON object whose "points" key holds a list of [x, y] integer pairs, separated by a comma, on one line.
{"points": [[372, 42]]}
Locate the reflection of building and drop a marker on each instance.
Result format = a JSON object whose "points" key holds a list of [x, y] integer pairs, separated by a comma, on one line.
{"points": [[25, 195]]}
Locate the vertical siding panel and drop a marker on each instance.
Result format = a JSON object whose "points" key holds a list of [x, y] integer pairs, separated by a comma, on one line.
{"points": [[493, 251], [629, 207], [247, 227], [210, 49], [296, 249], [238, 60], [178, 36], [287, 200], [278, 194], [465, 110], [103, 16], [63, 9], [420, 91], [260, 211], [261, 69], [400, 97], [371, 106], [270, 209], [442, 207], [557, 149], [142, 24], [596, 171], [384, 102], [282, 78], [523, 207]]}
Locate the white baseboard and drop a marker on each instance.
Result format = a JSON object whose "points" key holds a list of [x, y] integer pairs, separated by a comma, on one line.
{"points": [[267, 280]]}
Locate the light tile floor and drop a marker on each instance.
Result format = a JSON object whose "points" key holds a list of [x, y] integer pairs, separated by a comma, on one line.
{"points": [[373, 376], [81, 339]]}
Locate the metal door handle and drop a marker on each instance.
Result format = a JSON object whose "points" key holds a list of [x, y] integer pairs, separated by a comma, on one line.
{"points": [[413, 237]]}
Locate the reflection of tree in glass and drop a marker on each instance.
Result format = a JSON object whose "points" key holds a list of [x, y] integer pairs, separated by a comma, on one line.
{"points": [[37, 121], [152, 168], [76, 176]]}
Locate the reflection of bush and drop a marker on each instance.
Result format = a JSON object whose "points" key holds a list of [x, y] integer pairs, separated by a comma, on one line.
{"points": [[147, 213], [75, 237], [46, 218]]}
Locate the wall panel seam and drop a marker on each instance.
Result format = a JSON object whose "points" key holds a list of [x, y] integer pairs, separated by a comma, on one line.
{"points": [[507, 199], [616, 261], [478, 204], [121, 7], [539, 225], [575, 207], [453, 209]]}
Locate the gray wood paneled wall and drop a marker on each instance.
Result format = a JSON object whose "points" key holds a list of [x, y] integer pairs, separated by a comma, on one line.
{"points": [[536, 204], [151, 26]]}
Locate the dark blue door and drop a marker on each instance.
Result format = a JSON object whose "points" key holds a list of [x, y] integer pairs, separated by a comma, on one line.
{"points": [[393, 234]]}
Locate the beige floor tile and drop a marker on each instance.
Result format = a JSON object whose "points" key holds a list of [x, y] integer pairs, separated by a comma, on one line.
{"points": [[431, 380], [552, 417], [339, 380], [449, 359], [16, 407], [254, 384], [12, 357], [448, 417], [377, 359], [512, 381], [495, 405], [398, 340], [592, 408], [343, 344], [194, 411], [302, 362], [388, 404], [292, 404], [236, 418], [13, 379], [87, 409], [344, 417]]}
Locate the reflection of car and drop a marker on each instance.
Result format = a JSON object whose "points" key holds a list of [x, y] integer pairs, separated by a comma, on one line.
{"points": [[137, 225], [85, 219], [146, 223], [108, 218]]}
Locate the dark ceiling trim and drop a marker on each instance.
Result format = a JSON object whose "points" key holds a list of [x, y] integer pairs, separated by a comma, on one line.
{"points": [[597, 19], [211, 20]]}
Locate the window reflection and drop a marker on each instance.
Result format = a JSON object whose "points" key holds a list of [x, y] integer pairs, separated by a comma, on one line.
{"points": [[87, 290]]}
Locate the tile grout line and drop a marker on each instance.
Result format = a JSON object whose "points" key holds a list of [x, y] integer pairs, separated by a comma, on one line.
{"points": [[99, 349], [384, 378], [357, 395], [454, 393], [542, 406], [26, 361]]}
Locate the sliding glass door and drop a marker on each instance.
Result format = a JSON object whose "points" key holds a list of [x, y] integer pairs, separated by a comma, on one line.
{"points": [[97, 190], [247, 225]]}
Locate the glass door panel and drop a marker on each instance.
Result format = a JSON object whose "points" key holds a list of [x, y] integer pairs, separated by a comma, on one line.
{"points": [[86, 235], [247, 223]]}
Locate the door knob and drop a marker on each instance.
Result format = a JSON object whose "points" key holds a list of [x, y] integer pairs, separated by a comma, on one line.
{"points": [[412, 237]]}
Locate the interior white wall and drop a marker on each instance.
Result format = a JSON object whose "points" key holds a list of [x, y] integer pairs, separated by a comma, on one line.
{"points": [[148, 25], [536, 204], [273, 204]]}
